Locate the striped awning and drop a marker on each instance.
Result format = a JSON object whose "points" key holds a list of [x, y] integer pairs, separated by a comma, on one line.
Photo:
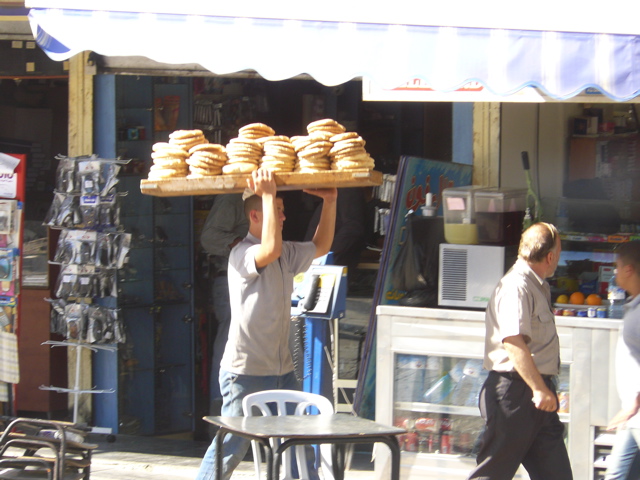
{"points": [[446, 57]]}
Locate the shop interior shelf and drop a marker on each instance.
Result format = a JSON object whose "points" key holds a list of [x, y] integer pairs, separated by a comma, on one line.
{"points": [[237, 183]]}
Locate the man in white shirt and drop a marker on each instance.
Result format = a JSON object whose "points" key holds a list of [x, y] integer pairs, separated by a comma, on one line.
{"points": [[627, 421]]}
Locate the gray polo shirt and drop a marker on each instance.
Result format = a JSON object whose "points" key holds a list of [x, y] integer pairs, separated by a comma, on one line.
{"points": [[521, 305], [261, 308]]}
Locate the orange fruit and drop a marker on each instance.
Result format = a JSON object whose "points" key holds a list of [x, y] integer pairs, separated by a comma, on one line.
{"points": [[562, 299], [594, 299], [576, 298]]}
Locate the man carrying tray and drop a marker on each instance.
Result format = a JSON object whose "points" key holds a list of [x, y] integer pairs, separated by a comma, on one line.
{"points": [[261, 271]]}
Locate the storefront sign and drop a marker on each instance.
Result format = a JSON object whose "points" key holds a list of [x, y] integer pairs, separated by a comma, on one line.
{"points": [[418, 90]]}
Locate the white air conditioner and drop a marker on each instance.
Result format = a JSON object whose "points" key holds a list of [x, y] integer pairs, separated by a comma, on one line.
{"points": [[468, 274]]}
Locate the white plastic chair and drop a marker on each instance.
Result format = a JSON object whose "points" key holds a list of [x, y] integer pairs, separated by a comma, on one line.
{"points": [[280, 400]]}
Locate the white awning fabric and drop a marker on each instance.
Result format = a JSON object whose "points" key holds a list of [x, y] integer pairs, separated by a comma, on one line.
{"points": [[446, 57]]}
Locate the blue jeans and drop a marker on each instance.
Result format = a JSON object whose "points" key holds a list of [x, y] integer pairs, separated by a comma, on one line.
{"points": [[234, 388], [222, 311], [624, 461]]}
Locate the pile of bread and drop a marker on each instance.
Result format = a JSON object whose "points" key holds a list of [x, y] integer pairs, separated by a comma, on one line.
{"points": [[327, 146]]}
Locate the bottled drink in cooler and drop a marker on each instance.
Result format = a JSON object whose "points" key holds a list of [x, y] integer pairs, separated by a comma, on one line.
{"points": [[468, 387], [440, 391], [616, 296]]}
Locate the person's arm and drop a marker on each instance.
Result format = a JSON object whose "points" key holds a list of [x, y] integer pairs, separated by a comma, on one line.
{"points": [[520, 356], [323, 238], [270, 249], [625, 414]]}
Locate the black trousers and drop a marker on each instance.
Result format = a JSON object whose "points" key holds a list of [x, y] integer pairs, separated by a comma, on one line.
{"points": [[518, 433]]}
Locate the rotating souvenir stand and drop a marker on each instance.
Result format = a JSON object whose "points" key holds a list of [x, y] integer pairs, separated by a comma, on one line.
{"points": [[89, 250], [76, 390], [12, 190]]}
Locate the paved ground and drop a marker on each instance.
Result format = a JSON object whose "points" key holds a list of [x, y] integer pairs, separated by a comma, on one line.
{"points": [[153, 458]]}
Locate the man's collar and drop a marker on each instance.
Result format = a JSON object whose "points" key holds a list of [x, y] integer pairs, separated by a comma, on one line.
{"points": [[524, 267]]}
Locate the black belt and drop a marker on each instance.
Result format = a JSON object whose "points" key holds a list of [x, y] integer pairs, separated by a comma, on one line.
{"points": [[516, 376]]}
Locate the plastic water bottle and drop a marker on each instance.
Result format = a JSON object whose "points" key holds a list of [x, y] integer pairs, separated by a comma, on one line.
{"points": [[616, 296], [440, 391], [468, 387]]}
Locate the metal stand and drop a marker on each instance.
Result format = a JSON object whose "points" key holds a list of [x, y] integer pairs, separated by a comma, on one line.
{"points": [[76, 390]]}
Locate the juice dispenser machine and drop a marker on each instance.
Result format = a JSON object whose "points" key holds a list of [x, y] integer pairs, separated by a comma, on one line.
{"points": [[482, 229]]}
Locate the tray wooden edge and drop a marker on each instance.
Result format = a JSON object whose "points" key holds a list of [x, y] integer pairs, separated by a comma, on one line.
{"points": [[174, 187]]}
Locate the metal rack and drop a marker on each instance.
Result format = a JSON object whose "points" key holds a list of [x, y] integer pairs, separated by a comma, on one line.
{"points": [[76, 390]]}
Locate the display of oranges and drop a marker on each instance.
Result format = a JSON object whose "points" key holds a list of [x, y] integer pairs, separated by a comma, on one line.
{"points": [[594, 299], [577, 298], [562, 298]]}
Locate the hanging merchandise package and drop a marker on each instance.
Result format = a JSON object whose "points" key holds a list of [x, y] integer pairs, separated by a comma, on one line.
{"points": [[66, 175], [56, 321], [67, 279], [74, 316], [90, 211], [86, 286]]}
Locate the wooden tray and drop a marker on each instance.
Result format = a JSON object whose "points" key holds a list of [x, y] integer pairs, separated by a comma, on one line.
{"points": [[175, 187]]}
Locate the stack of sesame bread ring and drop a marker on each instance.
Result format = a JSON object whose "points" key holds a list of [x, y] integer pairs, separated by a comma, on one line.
{"points": [[327, 146]]}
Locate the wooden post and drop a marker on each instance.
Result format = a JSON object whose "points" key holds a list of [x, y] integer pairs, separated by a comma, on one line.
{"points": [[80, 105], [486, 144], [80, 143]]}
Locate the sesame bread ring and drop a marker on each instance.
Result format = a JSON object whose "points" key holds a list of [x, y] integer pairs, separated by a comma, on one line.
{"points": [[170, 151], [252, 156], [241, 167], [244, 154], [278, 143], [243, 159], [209, 157], [210, 172], [279, 160], [302, 144], [161, 145], [313, 152], [348, 152], [277, 150], [186, 139], [349, 165], [178, 134], [261, 127], [169, 163], [244, 141], [187, 144], [207, 147], [321, 135], [344, 136], [203, 161], [274, 138], [202, 164], [351, 142], [363, 157], [313, 162], [325, 122], [252, 136], [334, 128]]}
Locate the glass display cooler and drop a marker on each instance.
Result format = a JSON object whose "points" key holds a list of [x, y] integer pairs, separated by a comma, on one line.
{"points": [[428, 379]]}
